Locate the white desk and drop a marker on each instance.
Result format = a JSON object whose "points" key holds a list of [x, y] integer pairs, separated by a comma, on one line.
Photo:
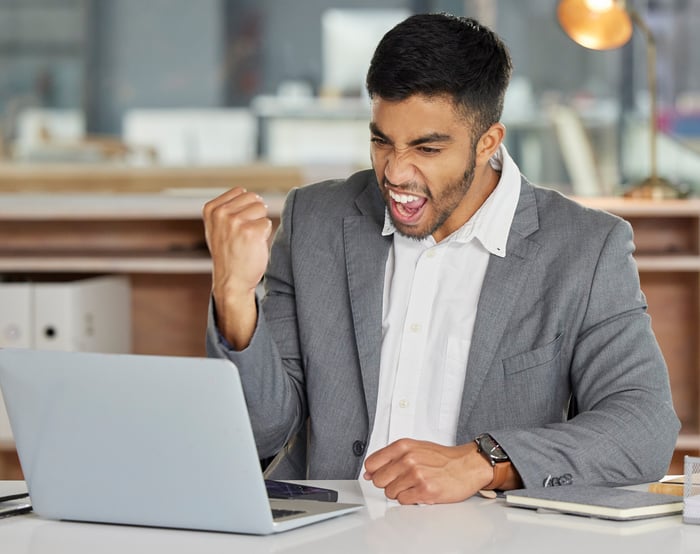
{"points": [[477, 525]]}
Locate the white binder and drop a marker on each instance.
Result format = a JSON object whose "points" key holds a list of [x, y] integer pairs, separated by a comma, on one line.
{"points": [[88, 315], [16, 315], [15, 331], [91, 315]]}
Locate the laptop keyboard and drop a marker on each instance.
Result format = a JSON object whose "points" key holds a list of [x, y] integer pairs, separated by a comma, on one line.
{"points": [[278, 513]]}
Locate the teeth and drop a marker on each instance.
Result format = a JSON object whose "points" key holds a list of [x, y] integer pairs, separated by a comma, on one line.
{"points": [[402, 198]]}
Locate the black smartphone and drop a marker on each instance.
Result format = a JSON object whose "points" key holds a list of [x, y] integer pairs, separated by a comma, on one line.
{"points": [[282, 489]]}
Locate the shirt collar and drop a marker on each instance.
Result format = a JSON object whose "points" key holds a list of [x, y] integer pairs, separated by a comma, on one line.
{"points": [[492, 221]]}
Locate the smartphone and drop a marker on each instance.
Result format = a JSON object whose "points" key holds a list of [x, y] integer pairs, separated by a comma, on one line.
{"points": [[282, 489]]}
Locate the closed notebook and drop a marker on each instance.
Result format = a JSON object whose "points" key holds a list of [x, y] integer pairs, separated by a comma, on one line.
{"points": [[597, 501]]}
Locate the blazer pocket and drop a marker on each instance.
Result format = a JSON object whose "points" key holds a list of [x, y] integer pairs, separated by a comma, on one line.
{"points": [[534, 358]]}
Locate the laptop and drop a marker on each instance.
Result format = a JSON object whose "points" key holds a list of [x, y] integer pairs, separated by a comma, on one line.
{"points": [[142, 440]]}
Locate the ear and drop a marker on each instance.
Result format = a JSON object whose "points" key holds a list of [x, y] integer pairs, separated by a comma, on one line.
{"points": [[489, 143]]}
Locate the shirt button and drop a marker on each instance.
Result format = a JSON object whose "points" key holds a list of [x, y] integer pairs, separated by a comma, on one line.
{"points": [[415, 327], [430, 253], [403, 403], [358, 448]]}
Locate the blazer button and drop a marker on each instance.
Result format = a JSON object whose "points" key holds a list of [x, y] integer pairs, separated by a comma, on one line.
{"points": [[358, 448]]}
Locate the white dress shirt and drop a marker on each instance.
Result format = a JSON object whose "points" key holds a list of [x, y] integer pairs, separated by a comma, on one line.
{"points": [[431, 293]]}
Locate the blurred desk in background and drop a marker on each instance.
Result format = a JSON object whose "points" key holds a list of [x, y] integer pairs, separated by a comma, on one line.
{"points": [[118, 178], [314, 131]]}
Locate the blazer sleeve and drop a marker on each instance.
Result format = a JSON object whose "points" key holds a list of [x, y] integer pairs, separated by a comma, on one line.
{"points": [[624, 430], [270, 367]]}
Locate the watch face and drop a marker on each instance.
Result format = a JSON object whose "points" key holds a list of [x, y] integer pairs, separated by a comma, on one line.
{"points": [[491, 448]]}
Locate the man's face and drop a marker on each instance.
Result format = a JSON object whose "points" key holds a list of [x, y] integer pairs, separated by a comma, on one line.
{"points": [[424, 158]]}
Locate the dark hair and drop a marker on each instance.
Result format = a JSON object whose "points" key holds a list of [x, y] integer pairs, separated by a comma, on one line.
{"points": [[442, 54]]}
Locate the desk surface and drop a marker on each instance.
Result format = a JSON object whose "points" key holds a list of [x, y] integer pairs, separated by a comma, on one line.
{"points": [[477, 525]]}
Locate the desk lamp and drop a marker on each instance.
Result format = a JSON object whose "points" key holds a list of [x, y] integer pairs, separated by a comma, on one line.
{"points": [[607, 24]]}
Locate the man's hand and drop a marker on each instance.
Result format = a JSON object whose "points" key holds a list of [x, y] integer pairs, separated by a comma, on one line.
{"points": [[420, 472], [237, 231]]}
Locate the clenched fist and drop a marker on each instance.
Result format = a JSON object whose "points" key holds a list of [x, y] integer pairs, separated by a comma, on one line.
{"points": [[237, 231]]}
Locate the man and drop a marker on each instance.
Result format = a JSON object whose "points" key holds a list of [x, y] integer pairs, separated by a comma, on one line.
{"points": [[439, 325]]}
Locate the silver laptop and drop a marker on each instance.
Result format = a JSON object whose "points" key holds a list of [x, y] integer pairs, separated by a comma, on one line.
{"points": [[142, 440]]}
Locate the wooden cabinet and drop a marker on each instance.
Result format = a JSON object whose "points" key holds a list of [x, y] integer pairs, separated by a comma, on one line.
{"points": [[157, 239]]}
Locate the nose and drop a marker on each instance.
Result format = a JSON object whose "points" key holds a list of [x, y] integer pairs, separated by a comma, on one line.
{"points": [[399, 168]]}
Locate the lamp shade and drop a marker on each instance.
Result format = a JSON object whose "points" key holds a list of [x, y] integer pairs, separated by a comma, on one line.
{"points": [[595, 24]]}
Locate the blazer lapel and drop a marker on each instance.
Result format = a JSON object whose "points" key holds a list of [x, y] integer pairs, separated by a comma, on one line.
{"points": [[366, 252], [502, 286]]}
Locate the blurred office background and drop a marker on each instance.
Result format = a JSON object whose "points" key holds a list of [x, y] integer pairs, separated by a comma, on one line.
{"points": [[280, 82]]}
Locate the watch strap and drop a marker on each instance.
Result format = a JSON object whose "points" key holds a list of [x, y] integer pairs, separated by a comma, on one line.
{"points": [[489, 448], [501, 471]]}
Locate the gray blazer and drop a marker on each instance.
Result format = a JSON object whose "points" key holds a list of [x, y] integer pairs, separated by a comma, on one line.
{"points": [[564, 370]]}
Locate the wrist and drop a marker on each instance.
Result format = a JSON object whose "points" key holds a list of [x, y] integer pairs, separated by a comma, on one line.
{"points": [[229, 294], [483, 468], [236, 318]]}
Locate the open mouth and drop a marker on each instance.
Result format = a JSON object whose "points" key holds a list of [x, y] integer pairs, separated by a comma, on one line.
{"points": [[406, 208]]}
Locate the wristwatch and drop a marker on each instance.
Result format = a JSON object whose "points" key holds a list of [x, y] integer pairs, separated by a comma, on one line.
{"points": [[487, 446]]}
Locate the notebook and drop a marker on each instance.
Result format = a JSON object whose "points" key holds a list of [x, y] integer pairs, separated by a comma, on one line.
{"points": [[142, 440], [597, 501]]}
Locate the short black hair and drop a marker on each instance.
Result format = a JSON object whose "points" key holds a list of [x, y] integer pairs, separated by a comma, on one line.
{"points": [[442, 54]]}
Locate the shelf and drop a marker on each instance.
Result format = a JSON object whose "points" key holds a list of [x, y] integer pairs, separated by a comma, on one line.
{"points": [[688, 442], [633, 207], [170, 204], [668, 263], [172, 264], [117, 179]]}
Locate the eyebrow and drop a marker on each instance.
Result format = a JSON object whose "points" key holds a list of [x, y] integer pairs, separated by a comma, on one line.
{"points": [[429, 138]]}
